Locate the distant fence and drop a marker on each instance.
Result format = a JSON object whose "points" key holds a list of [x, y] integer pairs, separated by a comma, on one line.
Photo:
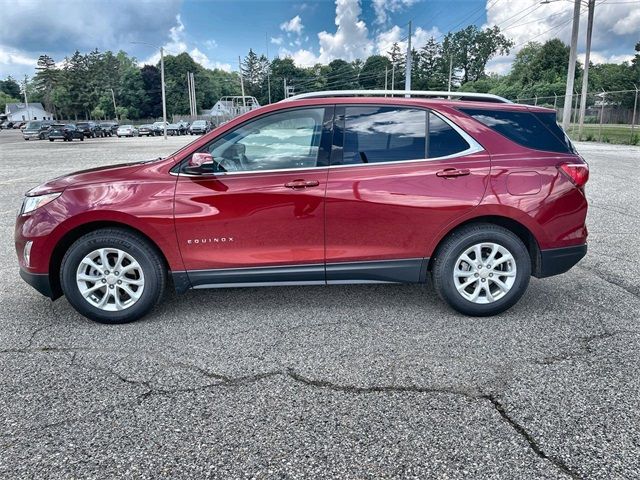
{"points": [[604, 111]]}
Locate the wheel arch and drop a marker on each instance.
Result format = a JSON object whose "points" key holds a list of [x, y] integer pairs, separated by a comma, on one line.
{"points": [[74, 234], [516, 227]]}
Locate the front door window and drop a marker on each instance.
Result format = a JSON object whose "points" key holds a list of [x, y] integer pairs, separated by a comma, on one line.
{"points": [[287, 140]]}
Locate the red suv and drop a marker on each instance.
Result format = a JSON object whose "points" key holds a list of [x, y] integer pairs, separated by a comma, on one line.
{"points": [[332, 188]]}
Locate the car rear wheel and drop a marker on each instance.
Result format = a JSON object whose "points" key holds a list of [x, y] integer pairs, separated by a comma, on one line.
{"points": [[112, 276], [481, 269]]}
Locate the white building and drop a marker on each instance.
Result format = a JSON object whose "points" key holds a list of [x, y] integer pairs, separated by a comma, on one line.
{"points": [[20, 112]]}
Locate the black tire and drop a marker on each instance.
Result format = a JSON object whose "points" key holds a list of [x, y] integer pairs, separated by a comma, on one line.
{"points": [[153, 268], [51, 139], [82, 138], [454, 246]]}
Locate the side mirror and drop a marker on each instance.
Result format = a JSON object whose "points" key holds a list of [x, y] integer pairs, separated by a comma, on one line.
{"points": [[200, 164]]}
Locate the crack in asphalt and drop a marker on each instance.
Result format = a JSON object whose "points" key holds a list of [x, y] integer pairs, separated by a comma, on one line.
{"points": [[609, 279], [584, 348], [537, 449], [228, 381]]}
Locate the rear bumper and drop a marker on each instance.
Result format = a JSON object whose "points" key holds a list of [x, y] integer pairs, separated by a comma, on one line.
{"points": [[39, 281], [559, 260]]}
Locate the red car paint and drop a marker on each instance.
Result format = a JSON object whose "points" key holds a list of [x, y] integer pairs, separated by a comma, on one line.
{"points": [[366, 212]]}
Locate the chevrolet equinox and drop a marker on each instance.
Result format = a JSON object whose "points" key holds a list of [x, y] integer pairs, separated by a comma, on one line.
{"points": [[475, 192]]}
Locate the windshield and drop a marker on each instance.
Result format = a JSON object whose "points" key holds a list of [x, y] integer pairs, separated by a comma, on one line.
{"points": [[199, 123], [33, 125]]}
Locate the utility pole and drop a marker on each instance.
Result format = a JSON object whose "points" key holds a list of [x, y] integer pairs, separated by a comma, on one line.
{"points": [[115, 109], [189, 93], [386, 75], [585, 76], [393, 76], [164, 96], [285, 89], [566, 112], [450, 72], [191, 87], [26, 102], [633, 117], [268, 67], [244, 100], [407, 64]]}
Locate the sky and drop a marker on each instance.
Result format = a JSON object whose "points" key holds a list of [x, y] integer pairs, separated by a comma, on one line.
{"points": [[215, 33]]}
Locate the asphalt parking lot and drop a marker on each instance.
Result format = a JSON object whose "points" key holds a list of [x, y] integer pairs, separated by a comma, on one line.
{"points": [[326, 382]]}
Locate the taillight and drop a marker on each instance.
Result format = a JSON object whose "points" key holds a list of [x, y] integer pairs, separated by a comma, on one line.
{"points": [[578, 173]]}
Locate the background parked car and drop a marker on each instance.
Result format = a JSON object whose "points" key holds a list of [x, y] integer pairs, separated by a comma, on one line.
{"points": [[158, 128], [67, 132], [127, 131], [146, 130], [90, 129], [200, 127], [109, 128], [6, 124], [176, 129], [36, 129], [19, 125]]}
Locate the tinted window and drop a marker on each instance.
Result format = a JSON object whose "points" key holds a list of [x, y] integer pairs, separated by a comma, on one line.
{"points": [[524, 128], [383, 134], [284, 140], [443, 139]]}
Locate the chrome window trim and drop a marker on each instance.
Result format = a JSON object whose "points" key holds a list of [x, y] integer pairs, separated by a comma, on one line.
{"points": [[474, 147]]}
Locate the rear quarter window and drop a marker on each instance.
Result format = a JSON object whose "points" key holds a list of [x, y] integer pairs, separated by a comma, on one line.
{"points": [[536, 130]]}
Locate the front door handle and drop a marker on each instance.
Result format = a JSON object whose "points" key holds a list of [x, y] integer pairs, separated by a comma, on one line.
{"points": [[296, 184], [453, 172]]}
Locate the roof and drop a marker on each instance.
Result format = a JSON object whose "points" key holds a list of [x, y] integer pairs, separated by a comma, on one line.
{"points": [[15, 107], [412, 101]]}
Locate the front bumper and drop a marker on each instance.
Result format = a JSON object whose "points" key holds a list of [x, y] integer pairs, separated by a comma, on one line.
{"points": [[39, 281], [559, 260]]}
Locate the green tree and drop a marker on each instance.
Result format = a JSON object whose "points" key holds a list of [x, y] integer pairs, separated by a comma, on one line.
{"points": [[6, 98], [10, 87], [373, 72], [471, 49], [46, 80]]}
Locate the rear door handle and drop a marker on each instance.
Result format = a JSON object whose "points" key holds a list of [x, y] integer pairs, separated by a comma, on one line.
{"points": [[296, 184], [453, 172]]}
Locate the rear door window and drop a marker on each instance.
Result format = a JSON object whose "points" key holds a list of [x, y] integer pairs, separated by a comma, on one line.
{"points": [[374, 134], [443, 139], [538, 130]]}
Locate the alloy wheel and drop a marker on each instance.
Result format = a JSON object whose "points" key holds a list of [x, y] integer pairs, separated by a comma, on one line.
{"points": [[110, 279], [484, 273]]}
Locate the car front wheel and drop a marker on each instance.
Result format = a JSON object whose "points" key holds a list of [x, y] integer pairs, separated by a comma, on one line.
{"points": [[481, 269], [112, 276]]}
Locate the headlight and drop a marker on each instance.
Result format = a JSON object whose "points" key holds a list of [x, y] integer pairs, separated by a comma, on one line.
{"points": [[29, 204]]}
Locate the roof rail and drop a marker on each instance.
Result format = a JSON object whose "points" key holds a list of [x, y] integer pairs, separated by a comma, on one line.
{"points": [[487, 97]]}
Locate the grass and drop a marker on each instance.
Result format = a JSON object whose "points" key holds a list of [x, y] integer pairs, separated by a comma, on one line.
{"points": [[619, 134]]}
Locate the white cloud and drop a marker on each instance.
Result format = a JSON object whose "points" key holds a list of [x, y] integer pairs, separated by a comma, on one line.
{"points": [[351, 39], [382, 8], [615, 27], [293, 26], [386, 39], [15, 57], [349, 42], [277, 40], [629, 24], [36, 28], [177, 44], [302, 57], [211, 44]]}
